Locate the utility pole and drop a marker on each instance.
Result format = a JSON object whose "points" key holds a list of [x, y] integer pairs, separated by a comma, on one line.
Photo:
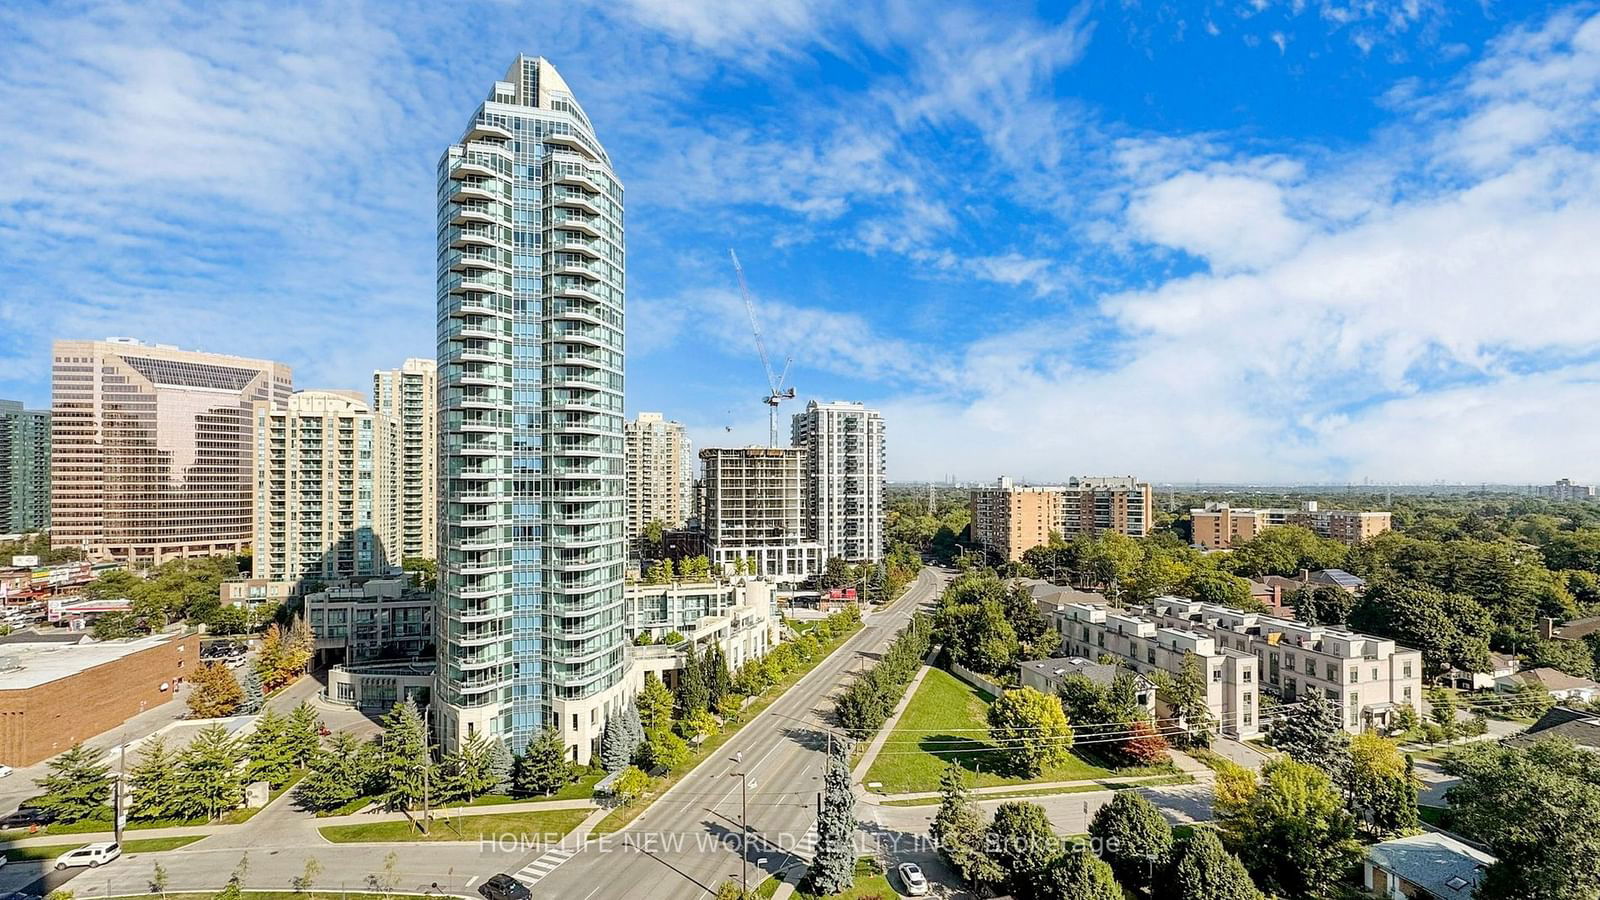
{"points": [[117, 812]]}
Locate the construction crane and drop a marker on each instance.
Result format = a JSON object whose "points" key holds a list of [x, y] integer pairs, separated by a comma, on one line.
{"points": [[776, 392]]}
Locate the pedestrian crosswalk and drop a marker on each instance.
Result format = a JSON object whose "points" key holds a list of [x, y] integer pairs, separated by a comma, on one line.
{"points": [[534, 872]]}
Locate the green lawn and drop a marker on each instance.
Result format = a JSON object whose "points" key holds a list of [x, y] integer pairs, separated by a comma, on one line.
{"points": [[546, 826], [285, 895], [943, 724], [1433, 815], [148, 845], [582, 789], [622, 815], [869, 884], [1157, 781]]}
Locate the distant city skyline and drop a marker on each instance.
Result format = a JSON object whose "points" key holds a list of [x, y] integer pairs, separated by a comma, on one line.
{"points": [[1243, 242]]}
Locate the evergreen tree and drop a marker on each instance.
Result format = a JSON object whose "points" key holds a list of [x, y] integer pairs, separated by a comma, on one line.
{"points": [[268, 747], [958, 831], [719, 681], [500, 763], [542, 769], [404, 755], [1137, 840], [694, 689], [468, 771], [303, 733], [633, 728], [77, 787], [1077, 875], [1187, 696], [1315, 735], [254, 697], [1206, 871], [833, 867], [154, 781], [208, 774], [614, 755], [337, 774], [655, 703]]}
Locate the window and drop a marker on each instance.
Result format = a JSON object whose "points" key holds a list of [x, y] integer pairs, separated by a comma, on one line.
{"points": [[1406, 694], [1246, 675], [1355, 675], [1374, 673], [1216, 676], [1333, 672], [1405, 670]]}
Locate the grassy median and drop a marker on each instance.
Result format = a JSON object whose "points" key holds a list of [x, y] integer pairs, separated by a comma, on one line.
{"points": [[545, 826]]}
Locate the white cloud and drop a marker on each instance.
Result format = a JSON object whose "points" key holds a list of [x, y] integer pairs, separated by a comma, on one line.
{"points": [[1233, 221]]}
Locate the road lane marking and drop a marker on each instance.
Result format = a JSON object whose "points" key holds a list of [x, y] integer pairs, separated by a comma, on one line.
{"points": [[471, 880]]}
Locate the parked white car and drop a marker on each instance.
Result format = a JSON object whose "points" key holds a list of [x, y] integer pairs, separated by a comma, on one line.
{"points": [[91, 855], [911, 876], [4, 771]]}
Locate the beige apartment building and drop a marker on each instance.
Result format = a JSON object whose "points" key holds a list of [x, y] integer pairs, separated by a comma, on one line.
{"points": [[151, 448], [755, 511], [323, 461], [1145, 645], [1369, 677], [1092, 504], [1219, 526], [408, 398], [660, 474], [1008, 520]]}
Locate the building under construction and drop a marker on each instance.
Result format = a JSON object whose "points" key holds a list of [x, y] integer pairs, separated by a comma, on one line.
{"points": [[755, 512]]}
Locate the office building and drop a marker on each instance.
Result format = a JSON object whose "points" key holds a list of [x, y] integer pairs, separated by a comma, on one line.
{"points": [[1090, 505], [755, 515], [1565, 489], [151, 448], [1220, 527], [843, 443], [1368, 677], [1145, 645], [322, 460], [530, 351], [408, 398], [660, 475], [24, 468], [1008, 520]]}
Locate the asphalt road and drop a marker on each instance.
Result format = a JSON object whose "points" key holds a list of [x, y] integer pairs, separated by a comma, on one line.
{"points": [[688, 842]]}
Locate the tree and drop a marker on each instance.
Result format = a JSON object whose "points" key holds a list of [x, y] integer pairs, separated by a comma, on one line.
{"points": [[631, 785], [1077, 875], [1314, 735], [1188, 696], [159, 880], [337, 774], [307, 879], [403, 758], [208, 774], [543, 768], [619, 741], [1144, 746], [469, 771], [1381, 784], [385, 880], [694, 688], [1134, 837], [1449, 629], [663, 750], [714, 668], [700, 724], [1538, 809], [655, 703], [424, 572], [958, 829], [115, 625], [77, 786], [833, 865], [213, 692], [1296, 836], [1031, 730], [303, 733], [1207, 871], [1286, 550], [1212, 586], [154, 781], [253, 698], [270, 753], [1322, 604], [1021, 843]]}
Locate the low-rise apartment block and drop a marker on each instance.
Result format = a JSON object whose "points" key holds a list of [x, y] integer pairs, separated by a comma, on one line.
{"points": [[1145, 646], [1369, 677], [1219, 526], [736, 614], [1008, 520], [377, 619]]}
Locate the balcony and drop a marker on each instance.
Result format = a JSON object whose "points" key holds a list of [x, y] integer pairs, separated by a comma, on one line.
{"points": [[486, 131]]}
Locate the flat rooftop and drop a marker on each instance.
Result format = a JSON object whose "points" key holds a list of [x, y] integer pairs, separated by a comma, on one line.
{"points": [[28, 665]]}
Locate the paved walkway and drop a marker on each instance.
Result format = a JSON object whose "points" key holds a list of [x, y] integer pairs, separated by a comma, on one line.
{"points": [[1239, 752], [888, 727]]}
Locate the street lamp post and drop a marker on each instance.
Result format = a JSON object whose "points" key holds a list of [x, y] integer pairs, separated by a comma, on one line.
{"points": [[744, 827]]}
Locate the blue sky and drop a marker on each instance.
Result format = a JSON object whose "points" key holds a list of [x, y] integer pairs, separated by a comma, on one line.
{"points": [[1242, 240]]}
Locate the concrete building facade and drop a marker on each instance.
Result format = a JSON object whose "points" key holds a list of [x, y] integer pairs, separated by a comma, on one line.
{"points": [[1219, 526], [151, 448], [660, 474], [737, 614], [844, 448], [322, 463], [1090, 505], [1369, 677], [408, 398], [532, 543], [24, 468], [375, 619], [1008, 520], [755, 514], [1566, 489]]}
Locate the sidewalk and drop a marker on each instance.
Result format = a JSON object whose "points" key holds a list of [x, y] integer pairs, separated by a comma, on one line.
{"points": [[887, 728], [1203, 774]]}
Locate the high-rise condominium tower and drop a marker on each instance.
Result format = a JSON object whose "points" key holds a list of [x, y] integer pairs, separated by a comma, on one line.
{"points": [[322, 461], [660, 474], [408, 396], [755, 512], [24, 468], [151, 448], [531, 534], [844, 478]]}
